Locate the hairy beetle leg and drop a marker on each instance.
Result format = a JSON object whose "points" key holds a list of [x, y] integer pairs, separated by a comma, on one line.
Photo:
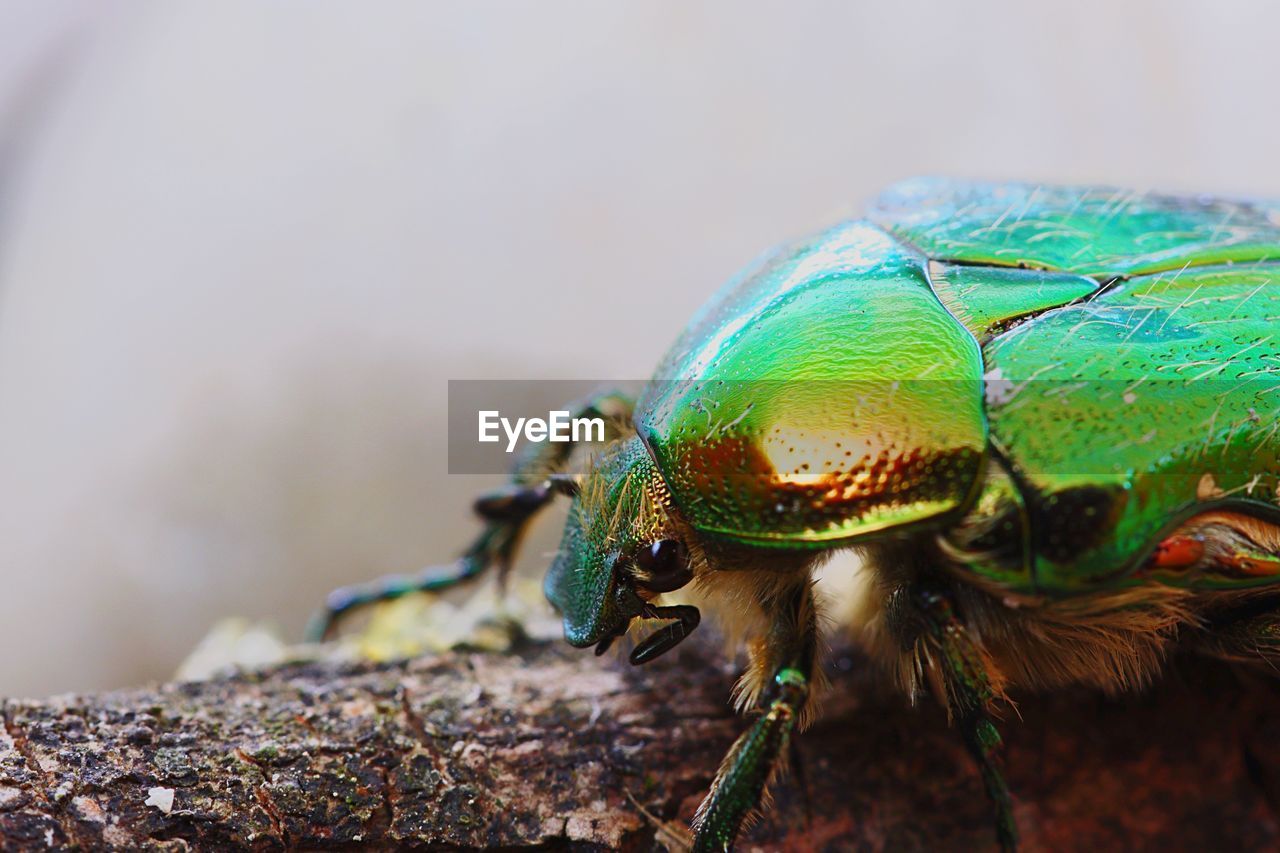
{"points": [[750, 763], [495, 545], [760, 750], [970, 688]]}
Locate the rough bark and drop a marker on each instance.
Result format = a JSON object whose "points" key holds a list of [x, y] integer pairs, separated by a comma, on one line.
{"points": [[555, 748]]}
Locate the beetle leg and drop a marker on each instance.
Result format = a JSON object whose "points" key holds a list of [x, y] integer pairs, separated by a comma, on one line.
{"points": [[967, 673], [506, 511], [495, 545], [760, 751]]}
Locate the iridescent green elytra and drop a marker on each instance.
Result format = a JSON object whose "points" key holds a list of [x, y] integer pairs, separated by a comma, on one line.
{"points": [[1048, 416]]}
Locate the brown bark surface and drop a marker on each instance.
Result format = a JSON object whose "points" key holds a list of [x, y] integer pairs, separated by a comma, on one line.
{"points": [[554, 748]]}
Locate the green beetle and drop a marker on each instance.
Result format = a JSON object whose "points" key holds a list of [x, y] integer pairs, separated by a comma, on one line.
{"points": [[1048, 417]]}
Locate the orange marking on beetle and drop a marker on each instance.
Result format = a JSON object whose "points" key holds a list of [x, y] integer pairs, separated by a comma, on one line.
{"points": [[1196, 542], [1178, 551], [1252, 566]]}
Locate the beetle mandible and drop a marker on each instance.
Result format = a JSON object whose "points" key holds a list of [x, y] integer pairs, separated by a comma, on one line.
{"points": [[1047, 417]]}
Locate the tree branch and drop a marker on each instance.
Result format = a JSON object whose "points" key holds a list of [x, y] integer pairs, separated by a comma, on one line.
{"points": [[550, 746]]}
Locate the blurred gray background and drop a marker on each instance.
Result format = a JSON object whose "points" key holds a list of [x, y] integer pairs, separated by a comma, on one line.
{"points": [[244, 245]]}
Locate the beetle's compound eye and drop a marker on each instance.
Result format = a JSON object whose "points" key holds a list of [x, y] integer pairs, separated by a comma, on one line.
{"points": [[663, 566]]}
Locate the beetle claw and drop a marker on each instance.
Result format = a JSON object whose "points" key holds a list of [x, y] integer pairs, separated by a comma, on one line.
{"points": [[669, 636]]}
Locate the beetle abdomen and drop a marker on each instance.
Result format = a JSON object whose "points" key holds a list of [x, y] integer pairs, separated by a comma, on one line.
{"points": [[1117, 411]]}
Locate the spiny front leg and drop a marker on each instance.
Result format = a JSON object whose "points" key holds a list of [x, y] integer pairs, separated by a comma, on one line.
{"points": [[507, 511], [970, 682], [788, 656]]}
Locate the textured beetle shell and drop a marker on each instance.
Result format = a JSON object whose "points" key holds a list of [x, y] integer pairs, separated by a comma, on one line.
{"points": [[1053, 377], [772, 420]]}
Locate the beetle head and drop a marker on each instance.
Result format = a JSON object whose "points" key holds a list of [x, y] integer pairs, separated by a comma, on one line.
{"points": [[618, 552]]}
